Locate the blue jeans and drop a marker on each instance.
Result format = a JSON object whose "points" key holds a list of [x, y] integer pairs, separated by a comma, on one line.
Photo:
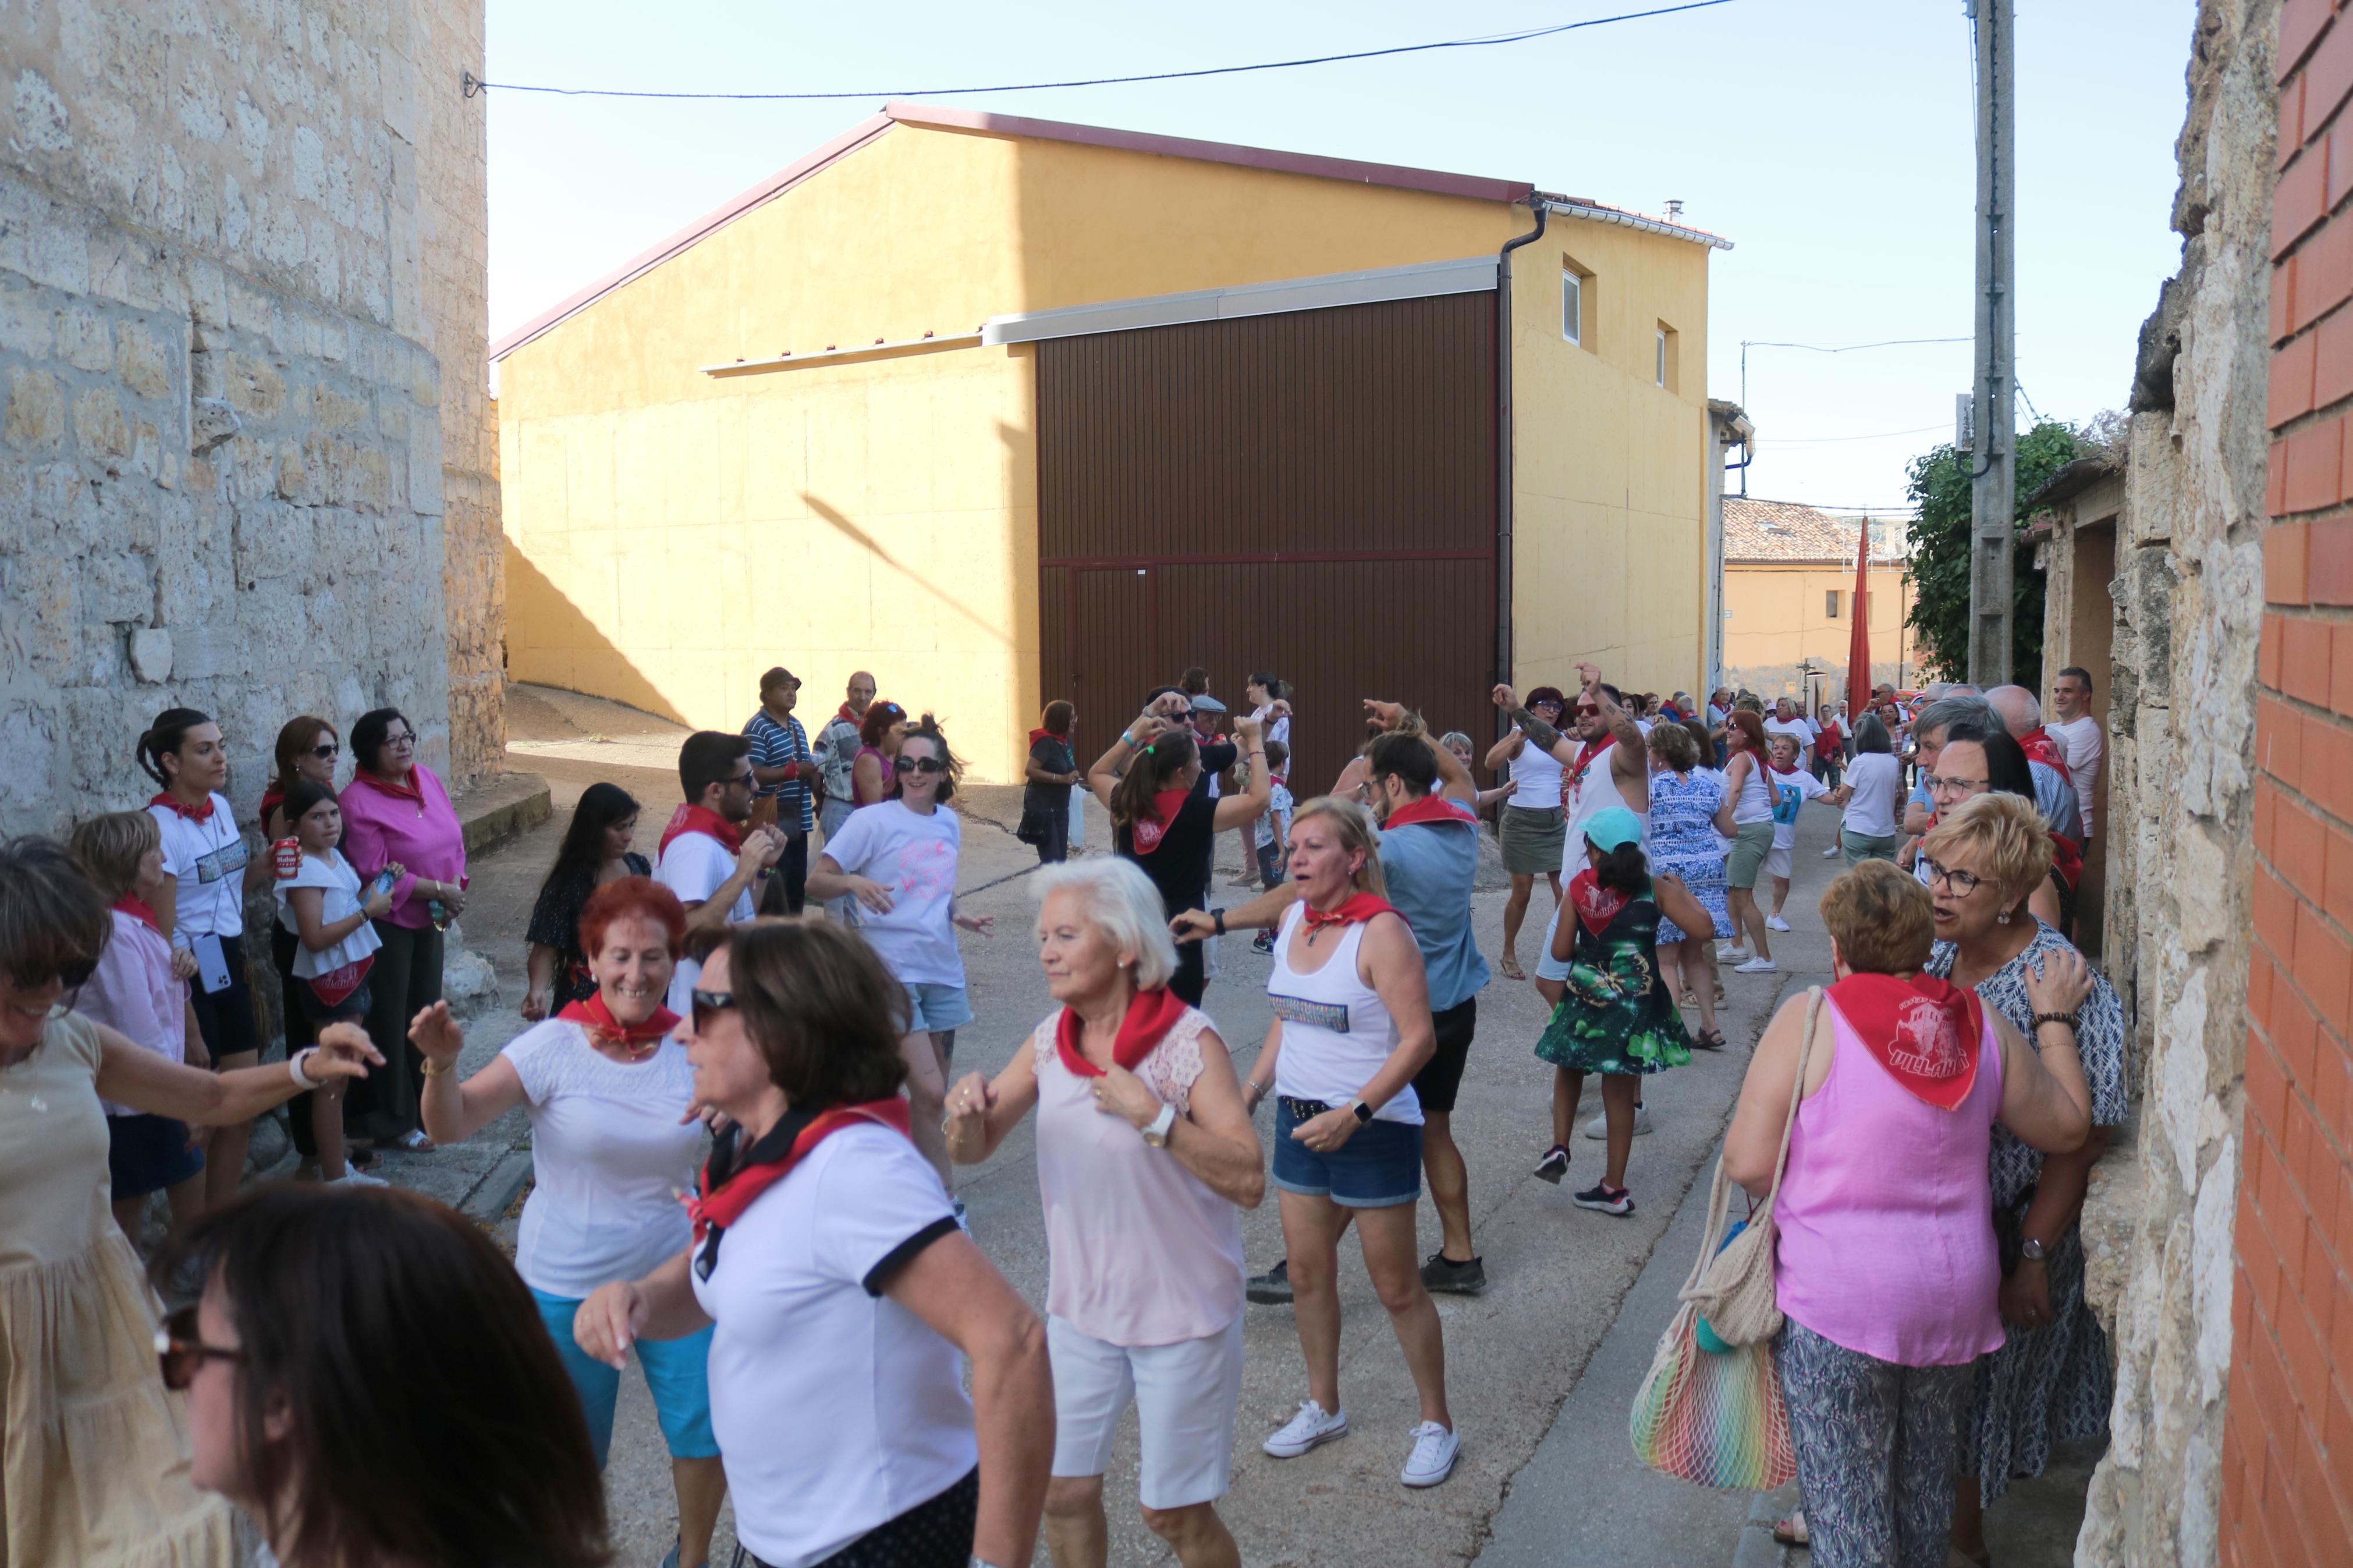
{"points": [[675, 1374]]}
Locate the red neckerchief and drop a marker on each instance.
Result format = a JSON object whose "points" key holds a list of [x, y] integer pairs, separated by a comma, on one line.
{"points": [[1788, 772], [412, 790], [271, 799], [132, 904], [203, 813], [1584, 756], [1146, 832], [2040, 747], [721, 1203], [846, 716], [2068, 856], [1040, 734], [1924, 1031], [1354, 907], [604, 1029], [1596, 905], [701, 819], [1431, 808], [1150, 1015]]}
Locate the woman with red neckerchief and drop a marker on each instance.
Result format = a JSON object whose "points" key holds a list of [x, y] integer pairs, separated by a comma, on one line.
{"points": [[611, 1145], [841, 1288], [1144, 1152], [201, 901], [1351, 1027]]}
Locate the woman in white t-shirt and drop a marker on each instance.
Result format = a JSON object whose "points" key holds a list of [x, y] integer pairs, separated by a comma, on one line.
{"points": [[1532, 828], [611, 1147], [841, 1288], [202, 903], [332, 919], [1143, 1152], [1874, 780], [898, 859]]}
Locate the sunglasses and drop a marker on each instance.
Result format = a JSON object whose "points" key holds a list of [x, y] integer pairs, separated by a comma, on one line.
{"points": [[748, 779], [181, 1355], [72, 974], [922, 765], [1589, 712], [707, 1002], [329, 749]]}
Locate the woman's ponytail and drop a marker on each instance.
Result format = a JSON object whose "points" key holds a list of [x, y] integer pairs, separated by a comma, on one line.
{"points": [[164, 738]]}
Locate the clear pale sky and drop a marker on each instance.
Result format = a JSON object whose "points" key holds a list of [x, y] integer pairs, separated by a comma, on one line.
{"points": [[1830, 140]]}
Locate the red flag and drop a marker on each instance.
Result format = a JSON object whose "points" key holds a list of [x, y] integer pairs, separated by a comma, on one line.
{"points": [[1858, 648]]}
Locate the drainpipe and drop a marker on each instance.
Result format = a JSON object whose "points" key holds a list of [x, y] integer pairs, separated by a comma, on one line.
{"points": [[1504, 443]]}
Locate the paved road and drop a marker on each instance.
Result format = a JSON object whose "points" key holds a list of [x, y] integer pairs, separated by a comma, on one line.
{"points": [[1558, 1275]]}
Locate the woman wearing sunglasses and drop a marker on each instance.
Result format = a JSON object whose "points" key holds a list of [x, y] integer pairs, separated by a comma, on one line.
{"points": [[612, 1145], [94, 1469], [295, 1300], [843, 1291]]}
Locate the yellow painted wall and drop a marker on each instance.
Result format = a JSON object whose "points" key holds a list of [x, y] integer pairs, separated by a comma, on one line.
{"points": [[1776, 620], [672, 534]]}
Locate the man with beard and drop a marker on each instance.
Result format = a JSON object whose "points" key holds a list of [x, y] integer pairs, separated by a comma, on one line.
{"points": [[706, 857]]}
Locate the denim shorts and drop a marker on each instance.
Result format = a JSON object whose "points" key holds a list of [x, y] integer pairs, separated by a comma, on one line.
{"points": [[937, 1008], [1378, 1167]]}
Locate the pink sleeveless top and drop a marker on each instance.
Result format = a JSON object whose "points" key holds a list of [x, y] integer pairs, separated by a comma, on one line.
{"points": [[1139, 1251], [1886, 1213]]}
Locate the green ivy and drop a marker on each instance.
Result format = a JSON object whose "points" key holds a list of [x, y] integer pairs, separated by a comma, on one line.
{"points": [[1940, 556]]}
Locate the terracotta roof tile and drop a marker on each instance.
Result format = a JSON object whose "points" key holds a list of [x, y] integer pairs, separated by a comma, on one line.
{"points": [[1781, 531]]}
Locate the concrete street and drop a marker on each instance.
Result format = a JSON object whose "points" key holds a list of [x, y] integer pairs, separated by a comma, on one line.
{"points": [[1546, 1475]]}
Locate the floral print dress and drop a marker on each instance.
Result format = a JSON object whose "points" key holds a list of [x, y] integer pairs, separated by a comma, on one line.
{"points": [[1682, 843], [1616, 1015]]}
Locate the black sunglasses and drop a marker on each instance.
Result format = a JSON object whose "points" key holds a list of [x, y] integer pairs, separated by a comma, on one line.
{"points": [[922, 765], [73, 974], [180, 1354], [329, 749], [706, 1003]]}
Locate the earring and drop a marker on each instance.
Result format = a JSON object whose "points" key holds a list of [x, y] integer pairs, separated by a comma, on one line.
{"points": [[2002, 919]]}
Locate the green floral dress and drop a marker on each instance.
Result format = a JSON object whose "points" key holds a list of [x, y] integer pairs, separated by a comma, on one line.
{"points": [[1616, 1015]]}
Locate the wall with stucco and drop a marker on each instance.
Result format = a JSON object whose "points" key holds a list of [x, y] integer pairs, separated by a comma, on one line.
{"points": [[1776, 621]]}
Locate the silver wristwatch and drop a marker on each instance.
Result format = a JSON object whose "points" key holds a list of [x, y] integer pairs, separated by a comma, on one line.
{"points": [[1155, 1132], [2031, 1250]]}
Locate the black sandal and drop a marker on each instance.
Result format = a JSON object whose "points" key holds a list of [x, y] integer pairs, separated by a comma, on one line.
{"points": [[1713, 1040]]}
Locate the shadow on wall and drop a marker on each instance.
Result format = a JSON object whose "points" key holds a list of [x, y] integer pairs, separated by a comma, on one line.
{"points": [[572, 655], [927, 580]]}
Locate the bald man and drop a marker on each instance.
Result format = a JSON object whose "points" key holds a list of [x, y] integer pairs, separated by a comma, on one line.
{"points": [[2055, 790]]}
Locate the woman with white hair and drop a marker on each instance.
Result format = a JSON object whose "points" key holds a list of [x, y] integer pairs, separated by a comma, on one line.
{"points": [[1146, 1158]]}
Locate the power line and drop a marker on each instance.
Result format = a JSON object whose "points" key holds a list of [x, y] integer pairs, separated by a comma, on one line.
{"points": [[1850, 348], [1823, 440], [472, 85]]}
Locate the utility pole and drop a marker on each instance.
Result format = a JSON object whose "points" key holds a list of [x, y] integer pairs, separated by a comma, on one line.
{"points": [[1993, 475]]}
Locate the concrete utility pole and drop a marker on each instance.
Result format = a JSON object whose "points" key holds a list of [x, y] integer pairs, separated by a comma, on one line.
{"points": [[1993, 476]]}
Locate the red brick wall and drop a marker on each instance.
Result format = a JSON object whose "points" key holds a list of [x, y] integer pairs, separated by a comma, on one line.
{"points": [[2287, 1454]]}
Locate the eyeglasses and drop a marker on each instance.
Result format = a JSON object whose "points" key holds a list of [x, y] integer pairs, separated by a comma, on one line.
{"points": [[707, 1002], [329, 749], [400, 740], [1962, 883], [73, 974], [1935, 785], [748, 779], [180, 1354], [922, 765]]}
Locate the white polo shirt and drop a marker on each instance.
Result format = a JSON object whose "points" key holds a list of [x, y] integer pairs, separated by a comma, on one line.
{"points": [[209, 858], [836, 1409], [694, 867]]}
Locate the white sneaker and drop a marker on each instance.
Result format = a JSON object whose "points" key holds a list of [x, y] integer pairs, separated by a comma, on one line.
{"points": [[1831, 851], [1432, 1460], [1598, 1128], [964, 1220], [353, 1176], [1732, 956], [1775, 922], [1756, 966], [1311, 1426]]}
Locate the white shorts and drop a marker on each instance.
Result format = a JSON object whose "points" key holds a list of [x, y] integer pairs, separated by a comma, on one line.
{"points": [[1776, 861], [1548, 966], [1185, 1395]]}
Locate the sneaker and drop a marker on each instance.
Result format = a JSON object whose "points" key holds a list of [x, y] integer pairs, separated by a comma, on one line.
{"points": [[1263, 943], [1775, 922], [1308, 1429], [1272, 1288], [1442, 1274], [1601, 1195], [352, 1178], [1598, 1128], [964, 1220], [1756, 966], [1831, 851], [1732, 956], [1554, 1165], [1432, 1460]]}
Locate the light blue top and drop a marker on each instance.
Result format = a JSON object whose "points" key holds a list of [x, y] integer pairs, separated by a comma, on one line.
{"points": [[1429, 867]]}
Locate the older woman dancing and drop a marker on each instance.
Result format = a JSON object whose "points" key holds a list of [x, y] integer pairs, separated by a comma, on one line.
{"points": [[1146, 1158]]}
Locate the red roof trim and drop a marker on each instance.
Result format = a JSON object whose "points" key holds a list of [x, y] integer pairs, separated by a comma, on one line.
{"points": [[1432, 181], [710, 223]]}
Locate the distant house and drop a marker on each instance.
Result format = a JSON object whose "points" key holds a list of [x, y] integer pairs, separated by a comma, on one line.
{"points": [[1788, 600]]}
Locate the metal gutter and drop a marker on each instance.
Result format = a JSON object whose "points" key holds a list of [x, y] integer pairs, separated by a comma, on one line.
{"points": [[1594, 212], [1506, 455], [878, 348]]}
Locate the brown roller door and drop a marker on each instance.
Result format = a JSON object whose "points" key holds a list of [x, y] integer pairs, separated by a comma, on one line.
{"points": [[1312, 492]]}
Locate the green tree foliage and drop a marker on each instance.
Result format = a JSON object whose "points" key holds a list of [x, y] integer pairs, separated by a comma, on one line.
{"points": [[1940, 555]]}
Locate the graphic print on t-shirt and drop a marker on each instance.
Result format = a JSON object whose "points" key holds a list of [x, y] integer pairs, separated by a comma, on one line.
{"points": [[1332, 1016], [228, 857]]}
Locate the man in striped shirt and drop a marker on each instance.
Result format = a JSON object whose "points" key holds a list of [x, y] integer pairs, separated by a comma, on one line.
{"points": [[781, 770]]}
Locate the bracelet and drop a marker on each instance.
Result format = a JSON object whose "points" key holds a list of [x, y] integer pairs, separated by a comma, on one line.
{"points": [[1219, 916], [294, 1070], [438, 1069], [2066, 1018]]}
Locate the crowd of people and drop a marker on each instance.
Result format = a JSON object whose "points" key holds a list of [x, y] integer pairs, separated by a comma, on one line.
{"points": [[690, 1030]]}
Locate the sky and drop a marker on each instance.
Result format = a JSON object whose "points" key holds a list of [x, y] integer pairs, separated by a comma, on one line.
{"points": [[1831, 140]]}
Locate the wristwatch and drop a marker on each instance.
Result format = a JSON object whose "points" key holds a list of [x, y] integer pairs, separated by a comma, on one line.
{"points": [[1157, 1131], [1364, 1112], [2031, 1250]]}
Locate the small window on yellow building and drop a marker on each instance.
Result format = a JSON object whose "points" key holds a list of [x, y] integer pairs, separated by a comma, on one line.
{"points": [[1665, 368], [1830, 603], [1572, 307]]}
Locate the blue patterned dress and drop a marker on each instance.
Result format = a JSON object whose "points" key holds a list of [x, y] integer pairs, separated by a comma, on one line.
{"points": [[1682, 843]]}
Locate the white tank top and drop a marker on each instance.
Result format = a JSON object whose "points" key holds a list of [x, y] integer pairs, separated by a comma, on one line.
{"points": [[1336, 1032], [1594, 795], [1756, 804], [1535, 778]]}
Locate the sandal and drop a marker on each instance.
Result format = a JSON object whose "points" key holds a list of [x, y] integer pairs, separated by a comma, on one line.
{"points": [[1713, 1040], [413, 1142], [1791, 1531], [1509, 967]]}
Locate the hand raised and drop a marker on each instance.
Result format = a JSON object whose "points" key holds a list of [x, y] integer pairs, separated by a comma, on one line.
{"points": [[1121, 1093], [344, 1051], [1505, 698], [1390, 714], [435, 1032], [1193, 925]]}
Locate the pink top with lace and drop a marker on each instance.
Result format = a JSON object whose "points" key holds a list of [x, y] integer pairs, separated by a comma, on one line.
{"points": [[1141, 1251]]}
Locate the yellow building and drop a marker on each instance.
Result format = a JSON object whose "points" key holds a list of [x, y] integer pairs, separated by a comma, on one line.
{"points": [[1788, 601], [1007, 410]]}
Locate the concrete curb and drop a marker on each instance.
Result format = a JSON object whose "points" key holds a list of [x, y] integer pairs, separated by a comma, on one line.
{"points": [[501, 807], [495, 1194]]}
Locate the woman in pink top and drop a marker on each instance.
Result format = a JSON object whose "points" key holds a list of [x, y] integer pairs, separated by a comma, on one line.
{"points": [[1145, 1159], [1886, 1268], [397, 814]]}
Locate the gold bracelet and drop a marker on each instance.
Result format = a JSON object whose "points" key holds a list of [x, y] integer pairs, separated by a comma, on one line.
{"points": [[438, 1069]]}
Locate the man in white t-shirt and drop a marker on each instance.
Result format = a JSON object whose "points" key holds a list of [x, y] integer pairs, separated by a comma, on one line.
{"points": [[707, 857], [2079, 738]]}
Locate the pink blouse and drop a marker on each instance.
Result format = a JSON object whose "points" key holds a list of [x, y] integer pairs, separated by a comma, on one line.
{"points": [[423, 834], [134, 991]]}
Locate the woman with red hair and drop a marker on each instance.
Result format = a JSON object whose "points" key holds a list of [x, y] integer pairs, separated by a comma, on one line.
{"points": [[606, 1091]]}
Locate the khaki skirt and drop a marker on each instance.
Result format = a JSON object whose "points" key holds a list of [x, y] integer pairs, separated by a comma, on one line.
{"points": [[1532, 838]]}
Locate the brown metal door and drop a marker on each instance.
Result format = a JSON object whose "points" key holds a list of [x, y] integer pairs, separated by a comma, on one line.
{"points": [[1312, 493]]}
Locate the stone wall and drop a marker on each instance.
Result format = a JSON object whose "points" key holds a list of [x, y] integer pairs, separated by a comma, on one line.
{"points": [[2182, 815], [221, 452]]}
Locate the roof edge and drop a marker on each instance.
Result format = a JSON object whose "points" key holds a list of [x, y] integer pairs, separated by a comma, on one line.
{"points": [[1432, 181], [2077, 476], [1601, 211], [710, 223]]}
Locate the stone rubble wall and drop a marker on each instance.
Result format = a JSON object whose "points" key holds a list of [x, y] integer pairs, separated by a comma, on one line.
{"points": [[221, 411], [2189, 598]]}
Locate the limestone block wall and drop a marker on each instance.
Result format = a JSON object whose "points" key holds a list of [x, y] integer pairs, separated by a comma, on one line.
{"points": [[221, 456]]}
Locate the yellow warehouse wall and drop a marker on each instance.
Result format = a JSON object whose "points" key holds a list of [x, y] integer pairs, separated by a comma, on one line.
{"points": [[1774, 622]]}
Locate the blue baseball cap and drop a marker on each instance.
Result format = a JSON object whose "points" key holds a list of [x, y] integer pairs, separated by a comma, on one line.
{"points": [[1613, 829]]}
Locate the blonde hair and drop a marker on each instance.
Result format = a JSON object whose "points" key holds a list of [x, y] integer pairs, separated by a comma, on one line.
{"points": [[1121, 902], [1354, 824], [1883, 921], [107, 849], [2005, 832]]}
